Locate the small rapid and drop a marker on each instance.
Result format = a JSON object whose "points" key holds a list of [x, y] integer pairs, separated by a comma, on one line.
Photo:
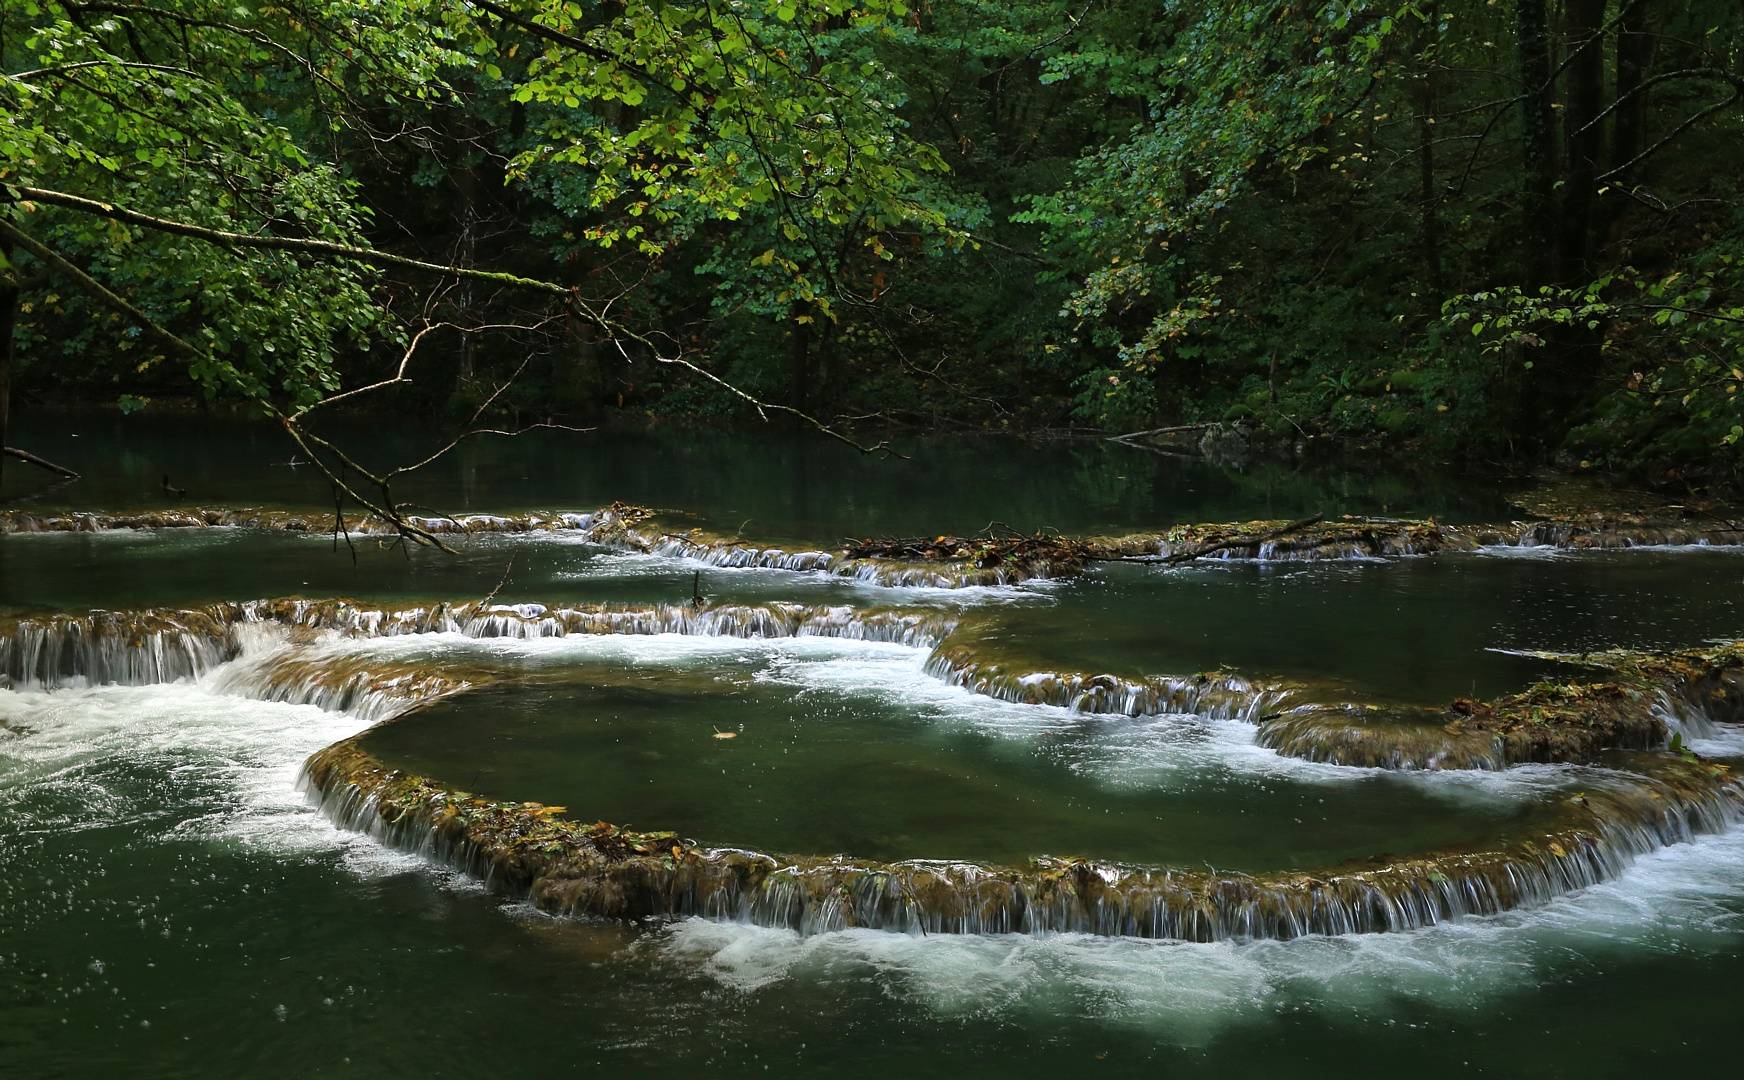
{"points": [[299, 652]]}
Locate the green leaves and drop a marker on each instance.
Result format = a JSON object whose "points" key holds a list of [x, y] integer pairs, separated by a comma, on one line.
{"points": [[687, 112], [1239, 82], [194, 112]]}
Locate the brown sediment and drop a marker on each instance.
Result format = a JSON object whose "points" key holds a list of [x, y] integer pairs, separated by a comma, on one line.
{"points": [[369, 688], [608, 871], [28, 521], [1015, 558], [1284, 541], [1550, 722], [1598, 532], [1375, 737], [959, 562], [1703, 685]]}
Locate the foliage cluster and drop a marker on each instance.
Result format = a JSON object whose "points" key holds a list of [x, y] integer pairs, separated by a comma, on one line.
{"points": [[1499, 229]]}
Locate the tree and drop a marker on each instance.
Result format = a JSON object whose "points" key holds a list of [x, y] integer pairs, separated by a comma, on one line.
{"points": [[189, 167]]}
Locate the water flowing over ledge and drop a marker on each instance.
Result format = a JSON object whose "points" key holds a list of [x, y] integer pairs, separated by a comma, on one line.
{"points": [[1221, 695], [957, 562], [526, 849], [294, 650], [1637, 801], [154, 646], [1651, 696], [368, 688], [26, 521]]}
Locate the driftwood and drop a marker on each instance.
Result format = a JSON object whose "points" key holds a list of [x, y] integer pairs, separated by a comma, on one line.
{"points": [[1160, 431], [983, 551], [1224, 545]]}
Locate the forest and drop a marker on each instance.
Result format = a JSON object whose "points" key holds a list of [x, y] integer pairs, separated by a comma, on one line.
{"points": [[1498, 232]]}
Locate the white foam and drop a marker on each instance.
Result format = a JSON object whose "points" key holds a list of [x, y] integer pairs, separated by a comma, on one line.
{"points": [[1165, 752], [1686, 897], [1531, 551], [204, 764], [222, 769]]}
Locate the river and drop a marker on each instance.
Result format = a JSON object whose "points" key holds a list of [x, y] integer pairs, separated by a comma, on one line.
{"points": [[174, 903]]}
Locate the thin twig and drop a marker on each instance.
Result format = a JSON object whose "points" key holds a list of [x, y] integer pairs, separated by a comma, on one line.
{"points": [[492, 595]]}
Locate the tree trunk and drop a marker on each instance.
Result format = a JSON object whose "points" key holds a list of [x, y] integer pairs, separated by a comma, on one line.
{"points": [[10, 290], [1584, 137], [799, 358], [467, 181], [1429, 197], [1634, 56], [1538, 151]]}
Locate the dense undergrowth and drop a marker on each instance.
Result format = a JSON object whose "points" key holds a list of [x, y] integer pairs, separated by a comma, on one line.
{"points": [[1502, 232]]}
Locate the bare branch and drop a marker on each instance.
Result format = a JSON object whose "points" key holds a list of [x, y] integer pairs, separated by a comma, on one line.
{"points": [[555, 37], [463, 436], [280, 243], [103, 294], [25, 76], [1691, 121], [398, 379], [880, 447], [1161, 431]]}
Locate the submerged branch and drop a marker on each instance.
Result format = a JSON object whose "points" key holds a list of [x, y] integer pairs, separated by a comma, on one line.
{"points": [[1160, 431], [41, 462]]}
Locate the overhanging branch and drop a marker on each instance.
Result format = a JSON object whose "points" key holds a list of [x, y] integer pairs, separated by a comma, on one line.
{"points": [[178, 345], [326, 248], [571, 298]]}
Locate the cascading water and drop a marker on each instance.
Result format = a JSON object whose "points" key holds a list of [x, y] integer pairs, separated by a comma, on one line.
{"points": [[1088, 778], [311, 652]]}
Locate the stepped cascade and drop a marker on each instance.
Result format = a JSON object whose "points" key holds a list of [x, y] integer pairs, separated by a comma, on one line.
{"points": [[1630, 795]]}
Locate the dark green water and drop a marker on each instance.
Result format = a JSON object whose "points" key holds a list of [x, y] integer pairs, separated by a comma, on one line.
{"points": [[171, 906], [788, 487], [840, 751]]}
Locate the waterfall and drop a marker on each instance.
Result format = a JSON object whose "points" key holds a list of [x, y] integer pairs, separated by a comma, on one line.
{"points": [[155, 646], [565, 868], [1221, 695], [336, 680], [127, 648]]}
